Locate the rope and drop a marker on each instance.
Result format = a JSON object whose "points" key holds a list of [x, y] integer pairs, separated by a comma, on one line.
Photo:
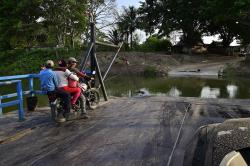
{"points": [[178, 136]]}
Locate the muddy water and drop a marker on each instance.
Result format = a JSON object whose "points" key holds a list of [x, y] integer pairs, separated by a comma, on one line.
{"points": [[175, 87], [180, 87]]}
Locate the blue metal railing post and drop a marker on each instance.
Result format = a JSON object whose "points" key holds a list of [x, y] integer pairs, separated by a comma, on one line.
{"points": [[20, 99], [7, 80], [31, 86]]}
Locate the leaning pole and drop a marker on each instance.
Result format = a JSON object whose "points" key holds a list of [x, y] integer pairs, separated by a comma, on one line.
{"points": [[93, 58]]}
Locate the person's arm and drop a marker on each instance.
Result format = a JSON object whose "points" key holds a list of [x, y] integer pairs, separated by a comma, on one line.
{"points": [[71, 75], [78, 73], [55, 80], [60, 69]]}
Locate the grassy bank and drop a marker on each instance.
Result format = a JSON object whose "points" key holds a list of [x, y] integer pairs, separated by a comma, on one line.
{"points": [[240, 69], [17, 62]]}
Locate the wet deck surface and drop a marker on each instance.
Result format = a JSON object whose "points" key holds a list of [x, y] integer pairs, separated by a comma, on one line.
{"points": [[135, 131]]}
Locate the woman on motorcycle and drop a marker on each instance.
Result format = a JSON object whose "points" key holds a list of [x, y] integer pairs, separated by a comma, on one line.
{"points": [[64, 75]]}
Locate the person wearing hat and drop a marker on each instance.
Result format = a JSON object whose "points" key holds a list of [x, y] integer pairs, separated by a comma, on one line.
{"points": [[72, 63], [49, 85]]}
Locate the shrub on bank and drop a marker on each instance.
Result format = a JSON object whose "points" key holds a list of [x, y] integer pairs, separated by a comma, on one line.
{"points": [[155, 44], [15, 62]]}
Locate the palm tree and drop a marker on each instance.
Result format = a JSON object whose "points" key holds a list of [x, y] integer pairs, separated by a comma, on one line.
{"points": [[114, 36], [127, 22]]}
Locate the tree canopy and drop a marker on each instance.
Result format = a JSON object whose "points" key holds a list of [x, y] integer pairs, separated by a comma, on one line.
{"points": [[64, 23], [25, 23], [195, 18]]}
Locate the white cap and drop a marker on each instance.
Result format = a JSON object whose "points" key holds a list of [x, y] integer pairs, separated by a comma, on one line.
{"points": [[49, 64]]}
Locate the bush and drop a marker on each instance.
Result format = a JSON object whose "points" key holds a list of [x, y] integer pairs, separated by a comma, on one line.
{"points": [[155, 44], [15, 62]]}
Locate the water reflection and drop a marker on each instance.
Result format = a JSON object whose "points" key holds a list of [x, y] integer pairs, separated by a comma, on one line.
{"points": [[174, 92], [232, 91], [208, 92]]}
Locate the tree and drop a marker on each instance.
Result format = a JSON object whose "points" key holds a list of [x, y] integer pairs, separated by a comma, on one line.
{"points": [[127, 23], [104, 12], [243, 23], [195, 17], [148, 16], [65, 20], [114, 36], [18, 23], [222, 17], [26, 23], [244, 28], [170, 15]]}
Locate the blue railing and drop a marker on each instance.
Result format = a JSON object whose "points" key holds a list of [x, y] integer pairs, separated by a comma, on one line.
{"points": [[7, 80]]}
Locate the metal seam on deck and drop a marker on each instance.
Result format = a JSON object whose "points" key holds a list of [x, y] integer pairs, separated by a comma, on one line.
{"points": [[178, 136]]}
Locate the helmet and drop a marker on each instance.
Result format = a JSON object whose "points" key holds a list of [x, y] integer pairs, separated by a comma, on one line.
{"points": [[72, 60], [49, 64]]}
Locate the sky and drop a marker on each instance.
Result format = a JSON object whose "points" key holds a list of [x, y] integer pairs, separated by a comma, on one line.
{"points": [[127, 3]]}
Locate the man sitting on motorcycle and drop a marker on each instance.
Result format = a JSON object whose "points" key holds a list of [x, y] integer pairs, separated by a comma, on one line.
{"points": [[64, 77], [72, 63], [49, 85]]}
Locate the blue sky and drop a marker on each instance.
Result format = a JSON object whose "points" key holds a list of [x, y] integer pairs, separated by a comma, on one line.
{"points": [[128, 3]]}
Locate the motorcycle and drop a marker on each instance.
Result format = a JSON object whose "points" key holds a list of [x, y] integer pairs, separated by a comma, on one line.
{"points": [[89, 98], [91, 94]]}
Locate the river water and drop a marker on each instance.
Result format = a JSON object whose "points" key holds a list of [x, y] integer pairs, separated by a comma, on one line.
{"points": [[238, 88], [179, 87]]}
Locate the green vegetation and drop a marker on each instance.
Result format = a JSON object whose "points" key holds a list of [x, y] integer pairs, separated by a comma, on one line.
{"points": [[64, 23], [39, 23], [155, 44], [31, 31], [196, 18], [16, 62]]}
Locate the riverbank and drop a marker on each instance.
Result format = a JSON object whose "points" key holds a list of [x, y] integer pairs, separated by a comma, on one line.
{"points": [[241, 69], [18, 62]]}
